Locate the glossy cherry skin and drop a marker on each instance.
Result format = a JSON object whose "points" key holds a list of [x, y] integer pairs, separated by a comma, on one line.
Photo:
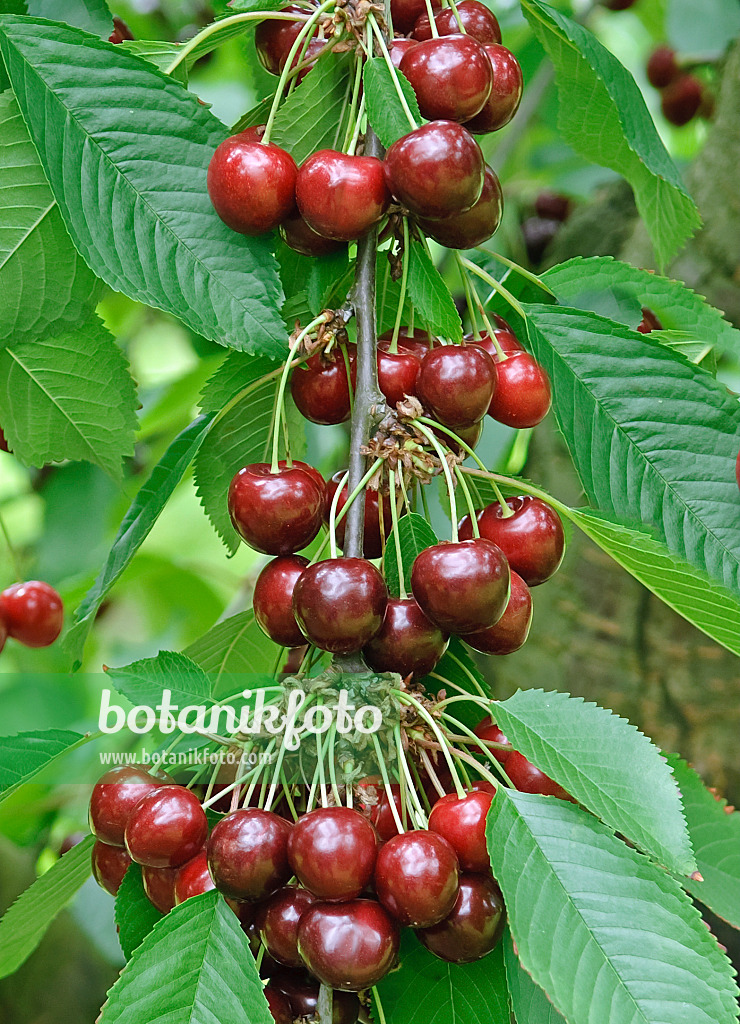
{"points": [[254, 133], [436, 170], [341, 196], [553, 205], [416, 878], [109, 865], [649, 322], [372, 536], [276, 513], [488, 730], [532, 537], [349, 946], [682, 100], [320, 388], [372, 801], [506, 92], [193, 879], [512, 629], [417, 341], [274, 39], [273, 600], [166, 828], [397, 371], [457, 383], [463, 824], [278, 919], [475, 925], [398, 48], [451, 76], [302, 993], [296, 233], [332, 852], [476, 225], [405, 13], [523, 396], [408, 642], [529, 779], [278, 1005], [248, 854], [114, 797], [252, 186], [32, 612], [463, 586], [339, 604], [159, 885], [479, 23]]}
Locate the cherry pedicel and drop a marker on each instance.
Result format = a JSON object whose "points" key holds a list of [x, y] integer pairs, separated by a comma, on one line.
{"points": [[349, 946], [277, 921], [512, 629], [462, 586], [339, 604], [274, 39], [166, 828], [522, 397], [476, 225], [341, 196], [332, 851], [488, 730], [297, 234], [32, 612], [251, 185], [451, 76], [531, 537], [475, 925], [273, 600], [372, 801], [193, 879], [114, 797], [248, 854], [320, 388], [457, 383], [109, 865], [373, 535], [397, 371], [506, 92], [398, 49], [159, 886], [529, 779], [477, 20], [276, 513], [408, 642], [462, 822], [416, 878]]}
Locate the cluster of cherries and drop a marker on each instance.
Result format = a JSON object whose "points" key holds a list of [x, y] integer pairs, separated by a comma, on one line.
{"points": [[31, 613], [683, 96]]}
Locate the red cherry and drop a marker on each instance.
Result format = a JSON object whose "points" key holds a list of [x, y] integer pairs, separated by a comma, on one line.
{"points": [[476, 225], [278, 1006], [4, 446], [114, 797], [662, 67], [248, 854], [277, 921], [404, 13], [299, 236], [320, 387], [274, 39], [193, 879], [553, 205], [522, 397], [398, 48], [276, 513], [166, 828], [339, 604], [529, 779], [512, 629], [504, 336], [462, 822], [302, 992], [109, 865], [349, 946], [464, 586], [470, 435], [532, 537], [273, 600], [478, 22], [254, 133], [488, 730], [456, 383], [451, 76], [397, 371], [416, 878], [538, 233], [32, 612], [373, 536], [159, 885], [120, 32], [311, 55], [252, 186], [332, 852], [436, 170], [649, 322], [408, 642], [417, 341], [372, 801], [506, 92], [475, 925], [341, 196], [682, 100]]}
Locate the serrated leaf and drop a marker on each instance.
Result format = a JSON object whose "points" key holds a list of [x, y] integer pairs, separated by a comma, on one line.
{"points": [[126, 149], [143, 681], [415, 534], [574, 743], [529, 1003], [385, 110], [603, 115], [135, 916], [608, 936], [257, 114], [161, 53], [326, 278], [177, 975], [234, 647], [23, 756], [430, 296], [89, 15], [26, 922], [314, 116]]}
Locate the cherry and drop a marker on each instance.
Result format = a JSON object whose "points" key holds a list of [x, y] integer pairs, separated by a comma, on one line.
{"points": [[417, 340], [70, 841], [476, 225], [531, 537], [408, 642], [553, 205], [252, 186], [299, 236], [349, 946], [537, 233], [662, 67], [276, 513], [274, 39], [159, 885], [488, 730], [478, 22], [114, 797], [277, 921], [166, 828], [302, 992], [273, 600], [470, 435], [462, 822], [512, 629], [456, 383], [463, 586], [397, 371], [109, 865], [522, 397], [320, 387], [32, 612], [416, 878], [193, 879], [436, 170], [339, 604], [618, 5], [529, 779], [373, 536], [278, 1005], [398, 48], [506, 92], [451, 76], [372, 801], [4, 446], [341, 196], [649, 322], [120, 32], [682, 99], [311, 55], [404, 13], [504, 336], [332, 852], [475, 925], [248, 854]]}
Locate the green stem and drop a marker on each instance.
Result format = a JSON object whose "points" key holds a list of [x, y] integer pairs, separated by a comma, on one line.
{"points": [[404, 279], [448, 475], [522, 271], [520, 485], [356, 90], [496, 285], [280, 397], [333, 515], [468, 501], [396, 536], [358, 126], [387, 785], [432, 23], [346, 507], [416, 811], [15, 560], [406, 698], [387, 57]]}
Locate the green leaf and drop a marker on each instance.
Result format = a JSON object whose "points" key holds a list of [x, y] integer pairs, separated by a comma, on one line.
{"points": [[194, 967], [26, 754], [574, 742], [314, 116], [161, 53], [618, 396], [234, 647], [430, 295], [137, 523], [69, 396], [26, 922], [388, 296], [415, 535], [608, 936], [603, 116], [144, 681], [257, 114], [126, 151], [384, 108], [425, 990], [89, 15], [326, 279], [528, 1002], [45, 283], [458, 668], [714, 828], [135, 916]]}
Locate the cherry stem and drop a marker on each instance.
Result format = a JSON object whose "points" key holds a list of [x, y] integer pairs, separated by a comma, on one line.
{"points": [[325, 1005], [448, 475], [416, 811], [280, 397], [451, 433], [333, 516], [469, 674], [432, 23], [348, 505], [429, 767], [468, 501], [354, 118], [468, 299], [393, 347], [471, 292], [358, 125], [422, 711], [522, 271], [397, 537], [387, 785], [14, 558], [520, 485], [391, 67], [496, 285], [378, 1005]]}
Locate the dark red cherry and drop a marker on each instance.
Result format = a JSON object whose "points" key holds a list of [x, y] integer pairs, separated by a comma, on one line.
{"points": [[408, 642], [4, 446], [488, 730], [109, 865], [522, 397], [193, 879], [398, 48], [531, 537], [475, 925], [120, 32], [649, 322], [273, 600], [682, 100], [341, 196], [373, 536], [312, 52], [276, 513], [299, 236], [349, 946], [662, 67], [416, 878], [252, 186], [553, 205], [397, 371], [417, 340], [476, 225], [463, 824], [332, 852], [274, 39], [478, 21], [618, 5], [451, 76], [512, 629], [159, 885], [436, 170], [248, 854], [456, 383], [463, 586], [405, 13], [32, 612], [529, 779], [538, 233], [114, 797], [373, 802], [506, 92], [277, 920], [470, 435], [254, 133], [278, 1005], [166, 828], [339, 604], [320, 387], [302, 992]]}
